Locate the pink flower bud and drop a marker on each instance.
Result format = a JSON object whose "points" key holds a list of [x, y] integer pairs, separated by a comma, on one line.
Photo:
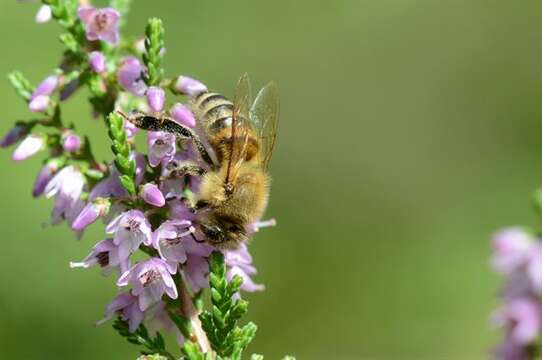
{"points": [[90, 213], [44, 14], [28, 147], [100, 24], [97, 61], [155, 98], [44, 176], [188, 86], [71, 143], [183, 115], [46, 87], [39, 103], [152, 195]]}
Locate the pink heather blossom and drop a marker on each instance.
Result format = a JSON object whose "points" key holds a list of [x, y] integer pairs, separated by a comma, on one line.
{"points": [[100, 24], [188, 86], [130, 129], [108, 187], [90, 213], [46, 87], [150, 279], [126, 305], [71, 142], [196, 272], [512, 350], [239, 262], [15, 134], [66, 186], [523, 317], [152, 195], [160, 147], [155, 98], [182, 115], [44, 176], [97, 61], [130, 76], [44, 14], [69, 89], [511, 249], [31, 145], [158, 319], [105, 254], [130, 230], [169, 240], [39, 104]]}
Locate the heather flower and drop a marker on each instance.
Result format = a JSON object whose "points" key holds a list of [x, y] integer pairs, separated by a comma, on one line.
{"points": [[97, 61], [105, 254], [90, 213], [150, 279], [69, 89], [39, 104], [130, 76], [44, 176], [71, 142], [158, 319], [155, 98], [511, 350], [160, 147], [169, 240], [108, 187], [239, 262], [67, 183], [130, 129], [100, 24], [28, 147], [152, 195], [188, 86], [44, 14], [196, 272], [46, 87], [15, 134], [125, 305], [182, 115], [523, 317], [131, 229], [511, 249]]}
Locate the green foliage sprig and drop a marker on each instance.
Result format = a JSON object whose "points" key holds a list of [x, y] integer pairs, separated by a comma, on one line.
{"points": [[154, 45], [121, 149], [142, 337]]}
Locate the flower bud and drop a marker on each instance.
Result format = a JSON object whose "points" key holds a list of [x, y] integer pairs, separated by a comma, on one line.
{"points": [[39, 104], [183, 115], [44, 176], [46, 87], [44, 14], [97, 61], [28, 147], [155, 98], [188, 86], [90, 213], [152, 195], [71, 143], [15, 134]]}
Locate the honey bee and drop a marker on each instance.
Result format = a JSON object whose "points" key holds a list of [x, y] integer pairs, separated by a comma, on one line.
{"points": [[236, 140]]}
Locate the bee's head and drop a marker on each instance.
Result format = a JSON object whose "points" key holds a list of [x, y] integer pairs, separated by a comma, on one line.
{"points": [[223, 231]]}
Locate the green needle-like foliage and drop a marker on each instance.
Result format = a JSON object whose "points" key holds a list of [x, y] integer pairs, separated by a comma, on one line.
{"points": [[21, 84], [142, 337], [154, 45], [121, 149]]}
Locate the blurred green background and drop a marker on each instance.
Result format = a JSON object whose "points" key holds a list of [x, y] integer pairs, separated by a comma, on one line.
{"points": [[410, 131]]}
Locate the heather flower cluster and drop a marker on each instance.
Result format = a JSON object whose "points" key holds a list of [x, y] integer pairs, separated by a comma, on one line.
{"points": [[517, 256], [144, 206]]}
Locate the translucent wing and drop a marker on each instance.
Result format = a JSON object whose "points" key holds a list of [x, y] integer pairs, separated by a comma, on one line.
{"points": [[240, 127], [264, 115]]}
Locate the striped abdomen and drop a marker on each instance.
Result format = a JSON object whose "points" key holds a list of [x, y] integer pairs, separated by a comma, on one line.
{"points": [[215, 113]]}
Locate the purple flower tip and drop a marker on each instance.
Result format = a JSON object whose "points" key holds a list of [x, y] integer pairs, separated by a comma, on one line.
{"points": [[100, 24], [28, 147], [14, 135], [44, 176], [152, 195], [189, 86], [39, 104], [44, 14], [130, 76], [155, 98], [46, 87], [71, 143], [90, 213], [97, 61], [183, 115]]}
